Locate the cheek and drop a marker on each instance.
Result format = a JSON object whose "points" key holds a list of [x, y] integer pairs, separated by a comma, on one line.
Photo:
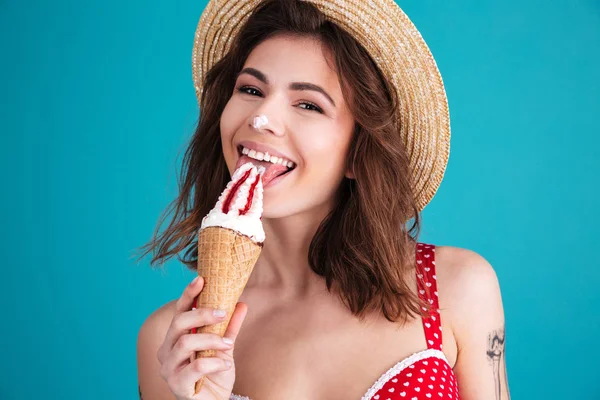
{"points": [[227, 130], [226, 122], [234, 116], [324, 146], [324, 161]]}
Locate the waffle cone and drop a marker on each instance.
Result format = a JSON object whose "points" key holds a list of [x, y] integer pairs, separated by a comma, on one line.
{"points": [[225, 261]]}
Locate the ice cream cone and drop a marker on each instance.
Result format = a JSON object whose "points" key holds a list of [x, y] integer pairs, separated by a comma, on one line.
{"points": [[225, 262], [229, 244]]}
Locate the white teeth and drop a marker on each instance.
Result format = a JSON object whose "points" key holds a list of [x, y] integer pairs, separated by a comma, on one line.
{"points": [[267, 157]]}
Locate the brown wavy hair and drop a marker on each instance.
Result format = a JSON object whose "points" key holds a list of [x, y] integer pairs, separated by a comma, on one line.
{"points": [[363, 245]]}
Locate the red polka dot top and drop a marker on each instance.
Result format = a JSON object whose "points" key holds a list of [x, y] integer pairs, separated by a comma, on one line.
{"points": [[425, 375]]}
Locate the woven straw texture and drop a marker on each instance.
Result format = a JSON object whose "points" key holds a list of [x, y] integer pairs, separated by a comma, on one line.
{"points": [[398, 49], [225, 261]]}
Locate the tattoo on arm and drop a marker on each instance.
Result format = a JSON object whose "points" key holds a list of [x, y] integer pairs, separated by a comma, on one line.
{"points": [[495, 352]]}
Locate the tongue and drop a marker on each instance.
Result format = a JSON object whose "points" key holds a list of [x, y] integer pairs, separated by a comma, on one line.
{"points": [[272, 170]]}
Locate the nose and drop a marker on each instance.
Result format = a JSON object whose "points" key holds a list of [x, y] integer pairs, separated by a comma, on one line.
{"points": [[265, 122], [262, 124]]}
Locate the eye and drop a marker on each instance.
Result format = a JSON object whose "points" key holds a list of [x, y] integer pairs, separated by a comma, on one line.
{"points": [[245, 89], [316, 108]]}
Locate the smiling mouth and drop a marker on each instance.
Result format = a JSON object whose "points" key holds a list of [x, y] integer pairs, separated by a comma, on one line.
{"points": [[262, 162], [267, 164]]}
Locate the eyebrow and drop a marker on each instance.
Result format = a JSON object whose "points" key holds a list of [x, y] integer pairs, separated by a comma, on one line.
{"points": [[292, 86]]}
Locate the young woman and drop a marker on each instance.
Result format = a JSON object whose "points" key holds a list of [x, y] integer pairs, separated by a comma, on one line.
{"points": [[344, 301]]}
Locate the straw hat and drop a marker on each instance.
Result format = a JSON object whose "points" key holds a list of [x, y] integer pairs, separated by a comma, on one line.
{"points": [[397, 48]]}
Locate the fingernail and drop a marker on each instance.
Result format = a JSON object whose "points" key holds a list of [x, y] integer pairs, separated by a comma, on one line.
{"points": [[195, 280], [227, 340], [219, 313]]}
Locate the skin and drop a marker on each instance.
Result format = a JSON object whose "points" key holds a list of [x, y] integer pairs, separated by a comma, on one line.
{"points": [[495, 353], [283, 295]]}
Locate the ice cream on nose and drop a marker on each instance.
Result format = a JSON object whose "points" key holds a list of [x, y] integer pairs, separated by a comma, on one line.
{"points": [[260, 121]]}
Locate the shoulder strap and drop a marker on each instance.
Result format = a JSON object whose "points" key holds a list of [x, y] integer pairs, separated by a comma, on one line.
{"points": [[427, 287]]}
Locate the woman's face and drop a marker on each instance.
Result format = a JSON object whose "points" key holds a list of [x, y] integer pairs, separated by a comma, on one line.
{"points": [[313, 129]]}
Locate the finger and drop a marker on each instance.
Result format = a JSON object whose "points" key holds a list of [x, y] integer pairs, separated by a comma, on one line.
{"points": [[189, 320], [191, 291], [188, 344], [183, 304], [233, 329], [187, 377]]}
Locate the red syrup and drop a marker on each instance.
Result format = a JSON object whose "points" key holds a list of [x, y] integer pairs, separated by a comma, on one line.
{"points": [[234, 189], [244, 210]]}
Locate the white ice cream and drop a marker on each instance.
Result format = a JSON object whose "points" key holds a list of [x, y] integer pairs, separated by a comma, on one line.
{"points": [[248, 224], [259, 121]]}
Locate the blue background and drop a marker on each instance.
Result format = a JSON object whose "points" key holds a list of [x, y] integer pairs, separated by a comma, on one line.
{"points": [[97, 107]]}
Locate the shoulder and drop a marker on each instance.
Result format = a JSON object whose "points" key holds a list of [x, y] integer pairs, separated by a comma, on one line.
{"points": [[157, 323], [469, 290], [150, 337], [469, 293], [463, 267], [154, 328]]}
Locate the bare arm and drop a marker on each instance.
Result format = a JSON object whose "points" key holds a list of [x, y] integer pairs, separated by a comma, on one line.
{"points": [[496, 356], [479, 328], [151, 385]]}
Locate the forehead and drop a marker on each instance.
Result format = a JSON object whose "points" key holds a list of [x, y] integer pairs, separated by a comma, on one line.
{"points": [[285, 58]]}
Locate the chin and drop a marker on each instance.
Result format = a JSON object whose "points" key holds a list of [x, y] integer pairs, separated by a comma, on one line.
{"points": [[273, 209]]}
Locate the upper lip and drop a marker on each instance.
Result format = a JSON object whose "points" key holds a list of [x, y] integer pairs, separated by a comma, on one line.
{"points": [[263, 148]]}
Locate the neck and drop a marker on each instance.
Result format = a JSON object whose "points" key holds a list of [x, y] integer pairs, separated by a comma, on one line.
{"points": [[283, 267]]}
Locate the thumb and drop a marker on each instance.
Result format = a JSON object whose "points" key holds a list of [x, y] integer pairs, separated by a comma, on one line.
{"points": [[235, 323]]}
